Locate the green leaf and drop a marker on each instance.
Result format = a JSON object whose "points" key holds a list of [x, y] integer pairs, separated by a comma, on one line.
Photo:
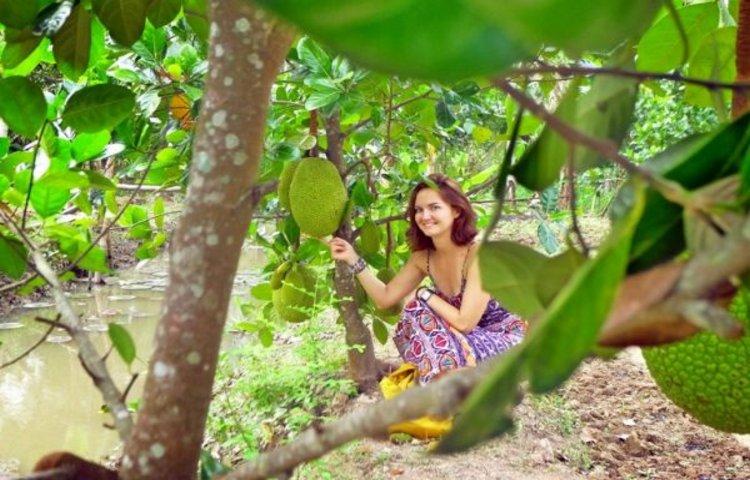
{"points": [[555, 274], [19, 44], [125, 19], [509, 273], [4, 184], [90, 145], [64, 180], [446, 40], [547, 238], [12, 257], [262, 291], [48, 200], [714, 59], [110, 200], [94, 261], [573, 25], [72, 44], [380, 330], [604, 112], [18, 14], [100, 107], [661, 47], [581, 307], [318, 100], [481, 134], [265, 336], [99, 181], [361, 196], [159, 212], [313, 56], [162, 12], [444, 116], [22, 105], [694, 162], [122, 341], [196, 15]]}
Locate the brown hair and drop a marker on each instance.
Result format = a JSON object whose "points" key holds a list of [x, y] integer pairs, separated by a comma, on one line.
{"points": [[464, 226]]}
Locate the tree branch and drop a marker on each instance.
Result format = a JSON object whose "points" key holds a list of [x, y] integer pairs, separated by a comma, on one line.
{"points": [[87, 352], [364, 122], [31, 348]]}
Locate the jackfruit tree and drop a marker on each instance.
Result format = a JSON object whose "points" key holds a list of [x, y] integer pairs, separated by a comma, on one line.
{"points": [[99, 97]]}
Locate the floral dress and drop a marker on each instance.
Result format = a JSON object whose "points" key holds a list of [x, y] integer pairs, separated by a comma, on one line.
{"points": [[426, 340]]}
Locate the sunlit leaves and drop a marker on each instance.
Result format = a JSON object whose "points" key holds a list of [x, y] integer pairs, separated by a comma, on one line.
{"points": [[72, 44], [125, 19], [19, 44], [713, 59], [122, 341], [100, 107], [661, 47], [560, 339], [12, 257], [446, 40], [22, 105], [89, 145], [48, 199]]}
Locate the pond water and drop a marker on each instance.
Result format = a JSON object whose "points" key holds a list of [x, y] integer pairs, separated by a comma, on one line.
{"points": [[47, 402]]}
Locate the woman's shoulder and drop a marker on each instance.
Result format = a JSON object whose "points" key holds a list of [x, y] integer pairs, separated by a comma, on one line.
{"points": [[419, 257]]}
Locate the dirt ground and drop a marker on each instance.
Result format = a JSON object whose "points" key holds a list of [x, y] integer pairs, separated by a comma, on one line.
{"points": [[610, 420]]}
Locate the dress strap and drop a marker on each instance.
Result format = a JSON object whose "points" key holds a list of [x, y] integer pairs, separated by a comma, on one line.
{"points": [[429, 274], [465, 270]]}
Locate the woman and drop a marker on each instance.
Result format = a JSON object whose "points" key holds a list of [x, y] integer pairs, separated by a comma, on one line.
{"points": [[455, 323]]}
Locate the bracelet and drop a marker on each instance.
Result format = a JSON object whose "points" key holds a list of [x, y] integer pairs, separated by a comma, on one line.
{"points": [[358, 266]]}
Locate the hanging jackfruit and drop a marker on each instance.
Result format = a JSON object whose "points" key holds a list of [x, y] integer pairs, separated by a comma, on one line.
{"points": [[370, 236], [317, 197], [285, 179], [296, 294]]}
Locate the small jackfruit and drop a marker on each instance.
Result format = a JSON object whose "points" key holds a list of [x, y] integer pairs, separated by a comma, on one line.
{"points": [[297, 292], [279, 274], [370, 236], [285, 179], [317, 197]]}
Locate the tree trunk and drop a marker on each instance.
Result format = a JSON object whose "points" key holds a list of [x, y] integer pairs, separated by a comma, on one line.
{"points": [[363, 366], [741, 98], [246, 51]]}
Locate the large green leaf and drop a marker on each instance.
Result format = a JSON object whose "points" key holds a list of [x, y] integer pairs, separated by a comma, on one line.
{"points": [[63, 180], [72, 44], [19, 44], [604, 112], [509, 272], [100, 107], [574, 25], [196, 15], [694, 162], [555, 274], [446, 39], [48, 200], [125, 19], [89, 145], [18, 13], [12, 257], [162, 12], [714, 59], [661, 47], [22, 105], [122, 341]]}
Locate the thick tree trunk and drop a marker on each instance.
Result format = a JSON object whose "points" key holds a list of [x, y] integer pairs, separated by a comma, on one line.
{"points": [[246, 51], [363, 366], [741, 98]]}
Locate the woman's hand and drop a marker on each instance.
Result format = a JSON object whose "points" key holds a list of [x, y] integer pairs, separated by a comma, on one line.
{"points": [[342, 250]]}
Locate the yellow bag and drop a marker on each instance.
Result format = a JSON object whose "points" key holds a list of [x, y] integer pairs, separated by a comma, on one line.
{"points": [[426, 427]]}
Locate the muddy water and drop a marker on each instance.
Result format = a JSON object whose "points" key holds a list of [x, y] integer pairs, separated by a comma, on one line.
{"points": [[47, 402]]}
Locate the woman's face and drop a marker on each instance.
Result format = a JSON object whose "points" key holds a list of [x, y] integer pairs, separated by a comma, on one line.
{"points": [[433, 215]]}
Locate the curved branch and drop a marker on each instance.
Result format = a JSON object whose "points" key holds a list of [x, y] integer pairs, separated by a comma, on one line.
{"points": [[31, 348]]}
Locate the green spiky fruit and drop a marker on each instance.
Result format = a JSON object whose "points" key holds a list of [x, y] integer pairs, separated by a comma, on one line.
{"points": [[279, 274], [707, 376], [285, 179], [317, 197], [370, 236], [296, 292]]}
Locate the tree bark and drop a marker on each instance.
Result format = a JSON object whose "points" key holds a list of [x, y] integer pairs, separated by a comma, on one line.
{"points": [[246, 51], [363, 366], [740, 98]]}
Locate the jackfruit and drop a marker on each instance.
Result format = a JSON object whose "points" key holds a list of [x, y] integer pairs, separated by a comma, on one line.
{"points": [[317, 197], [285, 179], [279, 274], [370, 236], [707, 376], [297, 292]]}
